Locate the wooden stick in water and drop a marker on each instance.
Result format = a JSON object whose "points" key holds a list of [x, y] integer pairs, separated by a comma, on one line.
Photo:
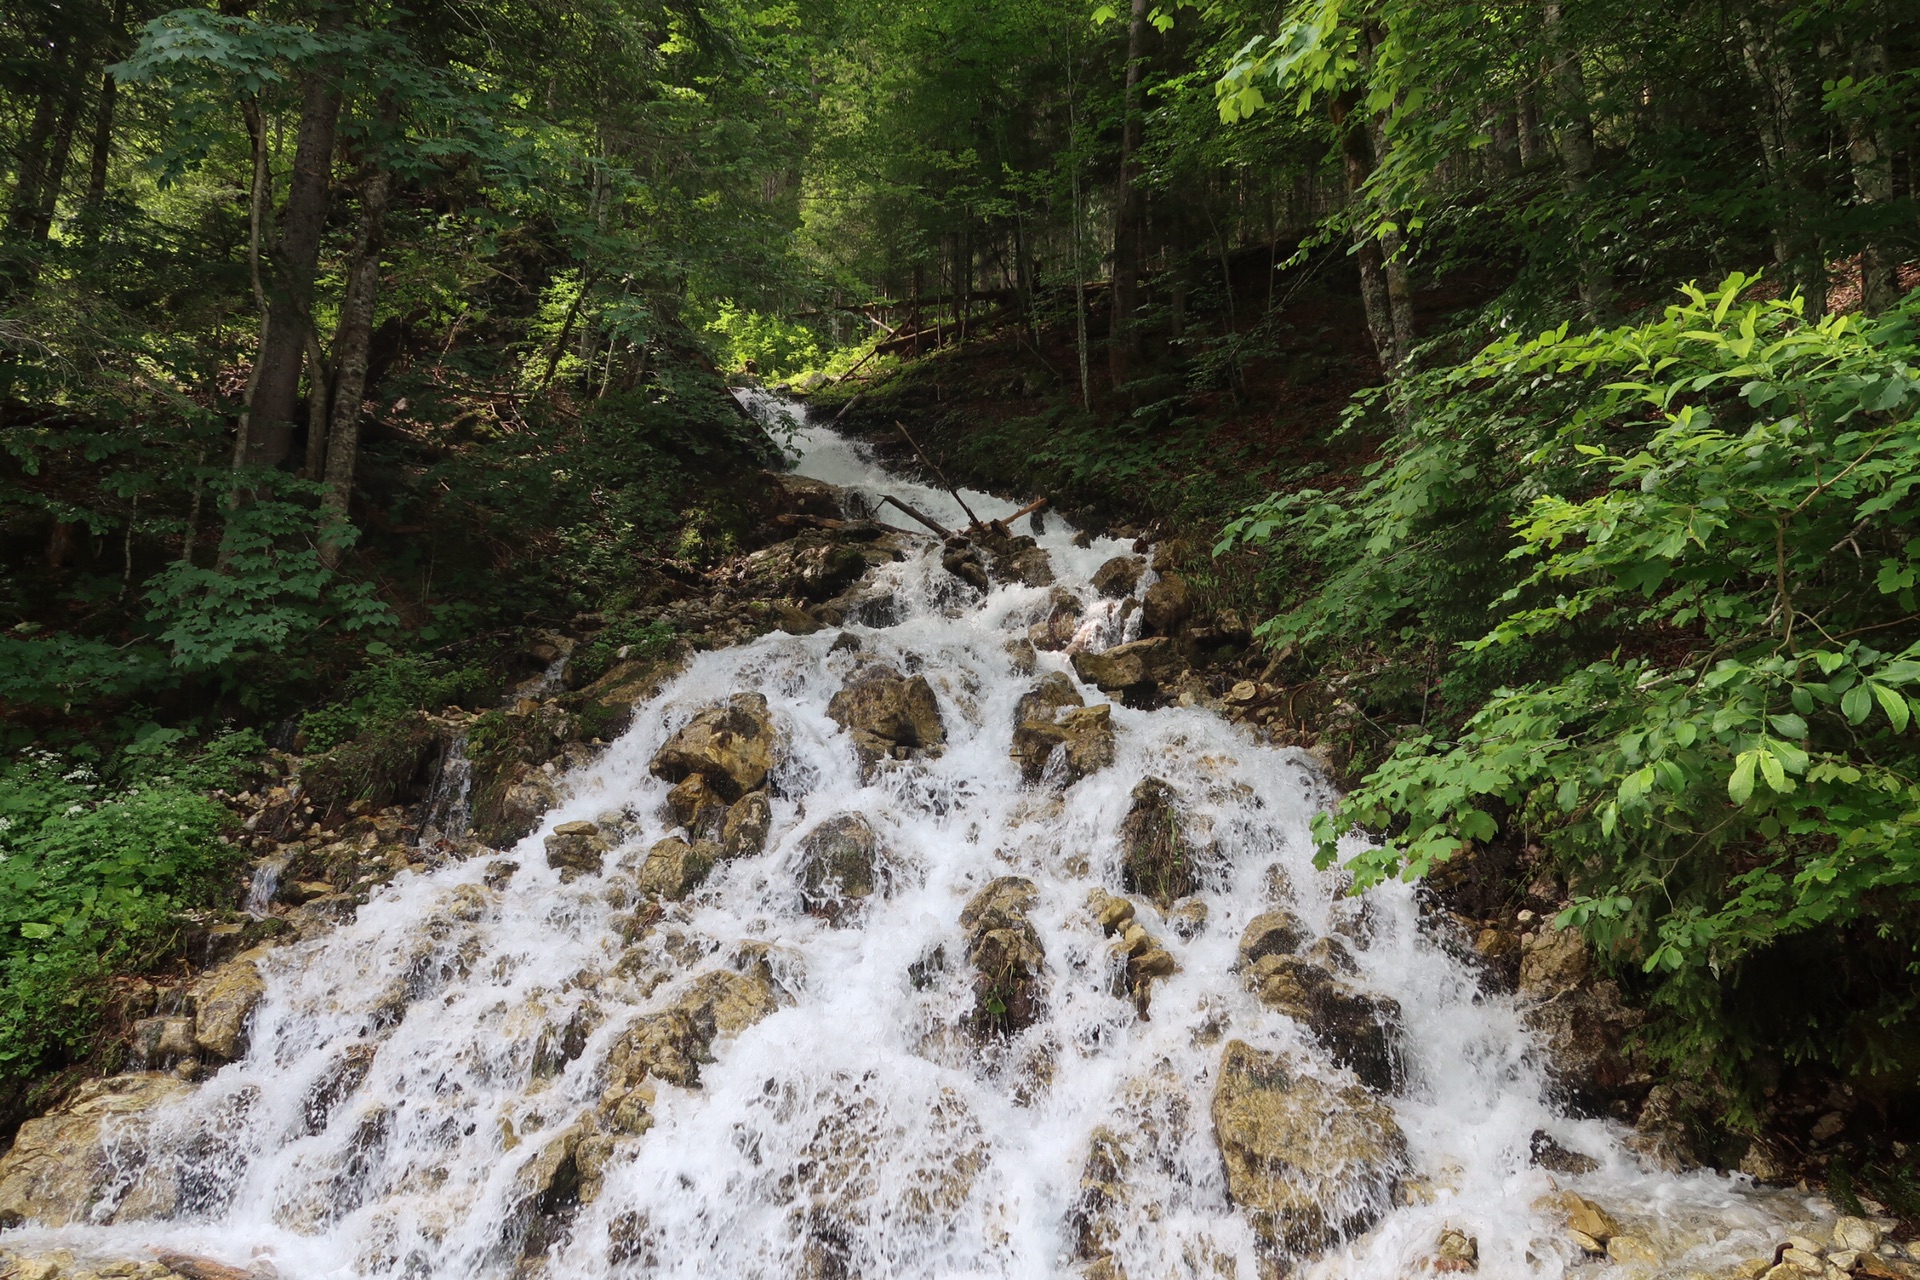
{"points": [[973, 521], [940, 533]]}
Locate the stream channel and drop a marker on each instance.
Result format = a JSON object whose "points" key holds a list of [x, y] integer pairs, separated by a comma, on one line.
{"points": [[831, 1103]]}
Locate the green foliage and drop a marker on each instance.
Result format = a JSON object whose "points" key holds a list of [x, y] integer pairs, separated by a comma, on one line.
{"points": [[92, 878], [621, 639], [387, 691], [1719, 506], [776, 347], [269, 594]]}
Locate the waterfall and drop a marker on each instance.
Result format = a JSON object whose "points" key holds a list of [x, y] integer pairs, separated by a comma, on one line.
{"points": [[420, 1091]]}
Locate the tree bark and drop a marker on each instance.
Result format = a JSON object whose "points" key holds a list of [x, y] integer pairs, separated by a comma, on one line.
{"points": [[1796, 246], [60, 154], [283, 334], [33, 162], [350, 346], [1573, 138], [102, 144], [1356, 154], [1123, 338], [1870, 155]]}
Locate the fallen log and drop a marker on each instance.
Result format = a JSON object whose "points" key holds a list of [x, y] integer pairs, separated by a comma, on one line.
{"points": [[938, 532], [973, 521]]}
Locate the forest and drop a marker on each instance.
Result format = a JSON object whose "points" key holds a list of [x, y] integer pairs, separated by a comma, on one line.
{"points": [[1528, 389]]}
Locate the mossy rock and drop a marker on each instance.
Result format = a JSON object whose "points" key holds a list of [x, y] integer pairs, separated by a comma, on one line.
{"points": [[390, 762]]}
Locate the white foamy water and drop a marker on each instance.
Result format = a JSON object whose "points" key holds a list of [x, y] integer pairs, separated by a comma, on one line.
{"points": [[858, 1130]]}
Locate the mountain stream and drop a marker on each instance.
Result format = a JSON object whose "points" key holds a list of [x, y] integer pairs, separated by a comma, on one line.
{"points": [[419, 1094]]}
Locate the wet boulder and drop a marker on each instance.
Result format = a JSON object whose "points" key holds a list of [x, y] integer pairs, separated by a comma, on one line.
{"points": [[1167, 605], [1156, 857], [1119, 576], [695, 806], [732, 744], [1055, 628], [748, 822], [674, 868], [837, 866], [1309, 1163], [576, 849], [1137, 669], [1586, 1034], [962, 560], [888, 715], [1140, 957], [1051, 718], [223, 1003], [672, 1043], [1017, 558], [62, 1165], [1007, 956], [157, 1042], [816, 565], [1271, 933], [1359, 1031]]}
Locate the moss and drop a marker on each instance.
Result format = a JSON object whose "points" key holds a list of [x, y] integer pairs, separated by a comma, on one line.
{"points": [[382, 765]]}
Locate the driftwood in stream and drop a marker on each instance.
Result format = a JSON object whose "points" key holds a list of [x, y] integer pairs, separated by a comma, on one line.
{"points": [[938, 532], [973, 521]]}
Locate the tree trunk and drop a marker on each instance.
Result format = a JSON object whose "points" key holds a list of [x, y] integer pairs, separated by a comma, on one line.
{"points": [[1123, 338], [1394, 261], [60, 154], [350, 348], [1356, 155], [1573, 138], [33, 162], [1796, 246], [102, 149], [289, 319], [1870, 155]]}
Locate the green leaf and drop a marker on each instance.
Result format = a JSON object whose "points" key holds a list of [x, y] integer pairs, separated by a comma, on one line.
{"points": [[1856, 704], [1788, 726], [35, 929], [1893, 704], [1740, 785], [1775, 774]]}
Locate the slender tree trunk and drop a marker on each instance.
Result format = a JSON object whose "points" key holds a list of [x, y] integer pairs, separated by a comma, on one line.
{"points": [[587, 282], [1573, 138], [1796, 246], [1123, 339], [60, 154], [1356, 155], [1870, 155], [1394, 261], [351, 346], [102, 148], [1526, 129], [256, 235], [33, 163], [319, 397], [289, 319], [1079, 226]]}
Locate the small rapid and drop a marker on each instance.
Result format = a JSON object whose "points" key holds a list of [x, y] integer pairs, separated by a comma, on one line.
{"points": [[418, 1079]]}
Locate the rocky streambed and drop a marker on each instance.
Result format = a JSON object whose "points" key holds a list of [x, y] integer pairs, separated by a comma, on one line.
{"points": [[936, 921]]}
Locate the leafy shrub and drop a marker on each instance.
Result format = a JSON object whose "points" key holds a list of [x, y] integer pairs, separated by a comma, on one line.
{"points": [[1709, 586], [621, 639], [92, 878], [269, 593], [387, 691]]}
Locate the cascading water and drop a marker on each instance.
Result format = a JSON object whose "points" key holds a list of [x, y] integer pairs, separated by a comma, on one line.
{"points": [[412, 1100]]}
